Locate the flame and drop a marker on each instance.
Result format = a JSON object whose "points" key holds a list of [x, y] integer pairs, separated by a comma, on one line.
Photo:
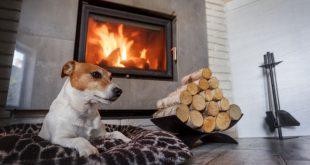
{"points": [[112, 46]]}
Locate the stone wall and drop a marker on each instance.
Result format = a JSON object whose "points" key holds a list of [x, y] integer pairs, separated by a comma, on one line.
{"points": [[9, 18]]}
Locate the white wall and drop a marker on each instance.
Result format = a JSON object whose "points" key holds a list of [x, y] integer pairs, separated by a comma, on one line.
{"points": [[282, 27]]}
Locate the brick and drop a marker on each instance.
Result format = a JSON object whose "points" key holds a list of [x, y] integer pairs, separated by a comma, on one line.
{"points": [[217, 2], [218, 61], [217, 47], [7, 48], [7, 36], [215, 13], [214, 6], [5, 73], [218, 20], [6, 60], [9, 15], [217, 54], [11, 4], [4, 85], [219, 68], [3, 98], [219, 27], [216, 33], [8, 25]]}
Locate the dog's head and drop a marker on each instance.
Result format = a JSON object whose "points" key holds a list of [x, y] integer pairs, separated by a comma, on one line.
{"points": [[93, 81]]}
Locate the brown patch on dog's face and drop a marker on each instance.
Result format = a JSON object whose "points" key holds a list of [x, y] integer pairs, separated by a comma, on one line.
{"points": [[84, 76]]}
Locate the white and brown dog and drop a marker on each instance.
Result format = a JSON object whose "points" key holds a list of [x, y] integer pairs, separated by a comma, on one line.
{"points": [[73, 117]]}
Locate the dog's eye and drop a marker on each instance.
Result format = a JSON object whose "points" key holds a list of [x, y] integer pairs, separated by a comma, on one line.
{"points": [[96, 75]]}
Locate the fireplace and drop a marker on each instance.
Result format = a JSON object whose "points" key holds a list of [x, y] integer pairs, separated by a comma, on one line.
{"points": [[128, 41]]}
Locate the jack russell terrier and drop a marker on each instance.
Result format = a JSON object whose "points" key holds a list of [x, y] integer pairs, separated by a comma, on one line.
{"points": [[73, 117]]}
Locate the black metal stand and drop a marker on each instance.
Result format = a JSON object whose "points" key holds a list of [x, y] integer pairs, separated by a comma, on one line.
{"points": [[190, 136], [276, 118]]}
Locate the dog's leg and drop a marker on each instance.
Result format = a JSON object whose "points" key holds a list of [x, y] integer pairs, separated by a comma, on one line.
{"points": [[117, 135], [80, 144]]}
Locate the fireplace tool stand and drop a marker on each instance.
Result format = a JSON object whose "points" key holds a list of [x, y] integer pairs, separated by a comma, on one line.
{"points": [[276, 118]]}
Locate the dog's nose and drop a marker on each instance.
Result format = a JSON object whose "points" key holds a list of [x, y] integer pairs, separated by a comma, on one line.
{"points": [[117, 91]]}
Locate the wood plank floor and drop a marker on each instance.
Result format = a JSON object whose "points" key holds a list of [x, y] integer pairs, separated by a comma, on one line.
{"points": [[256, 151]]}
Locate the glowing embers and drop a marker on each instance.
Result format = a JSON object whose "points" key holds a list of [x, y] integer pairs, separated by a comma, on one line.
{"points": [[125, 46]]}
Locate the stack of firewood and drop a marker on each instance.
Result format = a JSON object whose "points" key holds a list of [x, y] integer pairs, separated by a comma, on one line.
{"points": [[199, 103]]}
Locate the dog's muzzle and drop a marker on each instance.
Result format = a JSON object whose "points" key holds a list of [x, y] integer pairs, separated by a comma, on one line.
{"points": [[117, 92]]}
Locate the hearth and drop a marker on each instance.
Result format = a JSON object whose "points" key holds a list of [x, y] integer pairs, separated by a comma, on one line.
{"points": [[128, 41]]}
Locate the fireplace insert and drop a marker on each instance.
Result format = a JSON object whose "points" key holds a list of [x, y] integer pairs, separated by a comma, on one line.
{"points": [[128, 41]]}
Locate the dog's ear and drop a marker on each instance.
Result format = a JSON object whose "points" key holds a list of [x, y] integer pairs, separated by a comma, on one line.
{"points": [[68, 68]]}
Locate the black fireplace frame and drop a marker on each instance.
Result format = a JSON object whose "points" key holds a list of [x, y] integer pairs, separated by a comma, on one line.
{"points": [[124, 12]]}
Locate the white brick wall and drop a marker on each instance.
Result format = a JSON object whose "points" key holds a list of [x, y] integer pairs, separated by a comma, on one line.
{"points": [[218, 48], [217, 44]]}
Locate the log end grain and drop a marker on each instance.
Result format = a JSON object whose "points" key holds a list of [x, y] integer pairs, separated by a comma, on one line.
{"points": [[234, 112], [186, 97], [199, 102], [222, 121], [208, 124], [212, 108]]}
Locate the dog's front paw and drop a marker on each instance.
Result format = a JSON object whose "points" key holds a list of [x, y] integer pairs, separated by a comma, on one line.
{"points": [[125, 139], [87, 149], [118, 135]]}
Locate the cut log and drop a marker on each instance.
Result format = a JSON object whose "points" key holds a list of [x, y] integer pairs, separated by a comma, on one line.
{"points": [[207, 94], [213, 83], [222, 121], [195, 119], [234, 112], [217, 94], [192, 88], [202, 73], [198, 102], [181, 111], [224, 104], [202, 84], [208, 124], [183, 97], [212, 108]]}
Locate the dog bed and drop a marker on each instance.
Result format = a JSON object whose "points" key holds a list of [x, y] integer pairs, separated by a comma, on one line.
{"points": [[20, 144]]}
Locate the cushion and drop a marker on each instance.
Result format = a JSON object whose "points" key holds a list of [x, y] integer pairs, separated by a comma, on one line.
{"points": [[20, 144]]}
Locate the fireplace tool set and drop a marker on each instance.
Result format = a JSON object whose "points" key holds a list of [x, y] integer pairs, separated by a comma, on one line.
{"points": [[275, 117]]}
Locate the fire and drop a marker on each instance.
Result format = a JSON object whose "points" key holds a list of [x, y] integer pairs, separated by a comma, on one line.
{"points": [[117, 45]]}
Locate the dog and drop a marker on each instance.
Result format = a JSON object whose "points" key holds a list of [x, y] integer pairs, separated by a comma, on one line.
{"points": [[73, 117]]}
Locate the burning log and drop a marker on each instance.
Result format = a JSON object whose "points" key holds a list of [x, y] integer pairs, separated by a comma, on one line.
{"points": [[181, 111], [202, 73], [135, 63]]}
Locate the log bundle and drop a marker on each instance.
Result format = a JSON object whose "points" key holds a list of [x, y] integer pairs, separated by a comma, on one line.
{"points": [[199, 103]]}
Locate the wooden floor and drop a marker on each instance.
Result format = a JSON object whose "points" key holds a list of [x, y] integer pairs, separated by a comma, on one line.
{"points": [[256, 151]]}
